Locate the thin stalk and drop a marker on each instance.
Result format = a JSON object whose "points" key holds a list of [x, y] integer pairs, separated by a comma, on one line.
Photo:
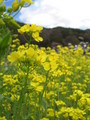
{"points": [[17, 12], [27, 6], [30, 38], [25, 38], [22, 98], [40, 105], [54, 100], [45, 93], [35, 106], [0, 64]]}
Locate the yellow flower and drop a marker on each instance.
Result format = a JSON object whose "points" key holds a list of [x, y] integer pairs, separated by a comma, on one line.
{"points": [[29, 1], [36, 36], [35, 28], [1, 1], [40, 58], [39, 88], [46, 66], [15, 5], [15, 56], [2, 62], [13, 46], [9, 106], [53, 65], [12, 97], [78, 92], [26, 1], [65, 115], [1, 74], [88, 101], [44, 119], [88, 118], [20, 31], [34, 84], [50, 112], [16, 40], [3, 118], [9, 80], [30, 52], [25, 28], [33, 31], [60, 102]]}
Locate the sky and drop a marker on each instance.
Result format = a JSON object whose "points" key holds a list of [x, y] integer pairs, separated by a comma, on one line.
{"points": [[53, 13]]}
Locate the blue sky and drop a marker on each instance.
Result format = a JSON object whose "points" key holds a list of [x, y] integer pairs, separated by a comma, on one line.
{"points": [[53, 13]]}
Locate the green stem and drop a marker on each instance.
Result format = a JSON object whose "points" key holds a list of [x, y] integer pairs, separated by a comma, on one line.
{"points": [[25, 38], [17, 12], [30, 38], [25, 85], [22, 98], [45, 83], [40, 105], [54, 100], [45, 93], [27, 6], [0, 64], [35, 105]]}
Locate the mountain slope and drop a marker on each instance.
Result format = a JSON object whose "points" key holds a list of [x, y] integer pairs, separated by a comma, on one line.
{"points": [[59, 35]]}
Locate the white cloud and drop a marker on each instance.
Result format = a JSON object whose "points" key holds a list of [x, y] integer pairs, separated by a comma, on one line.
{"points": [[52, 13]]}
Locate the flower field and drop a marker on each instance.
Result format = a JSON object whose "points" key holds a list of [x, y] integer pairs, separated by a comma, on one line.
{"points": [[42, 84]]}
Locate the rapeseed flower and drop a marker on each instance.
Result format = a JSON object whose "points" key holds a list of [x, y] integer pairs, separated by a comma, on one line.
{"points": [[3, 118], [44, 119], [46, 66], [1, 1], [32, 30]]}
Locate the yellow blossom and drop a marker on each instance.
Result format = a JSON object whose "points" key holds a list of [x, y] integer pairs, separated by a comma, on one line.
{"points": [[46, 66], [44, 119], [39, 88], [1, 1], [3, 118], [15, 5]]}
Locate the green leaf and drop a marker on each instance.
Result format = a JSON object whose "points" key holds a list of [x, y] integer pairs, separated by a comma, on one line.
{"points": [[2, 23], [9, 10], [3, 8], [14, 24], [1, 97], [6, 40]]}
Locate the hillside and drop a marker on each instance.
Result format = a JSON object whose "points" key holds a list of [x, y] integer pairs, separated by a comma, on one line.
{"points": [[59, 35]]}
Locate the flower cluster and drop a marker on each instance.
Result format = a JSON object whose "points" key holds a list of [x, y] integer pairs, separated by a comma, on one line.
{"points": [[32, 30], [45, 85]]}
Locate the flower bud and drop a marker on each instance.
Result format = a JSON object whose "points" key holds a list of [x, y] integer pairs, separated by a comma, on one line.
{"points": [[15, 5], [3, 8], [1, 1], [9, 10], [2, 23]]}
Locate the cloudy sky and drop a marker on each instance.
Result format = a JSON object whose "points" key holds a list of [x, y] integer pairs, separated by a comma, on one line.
{"points": [[52, 13]]}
